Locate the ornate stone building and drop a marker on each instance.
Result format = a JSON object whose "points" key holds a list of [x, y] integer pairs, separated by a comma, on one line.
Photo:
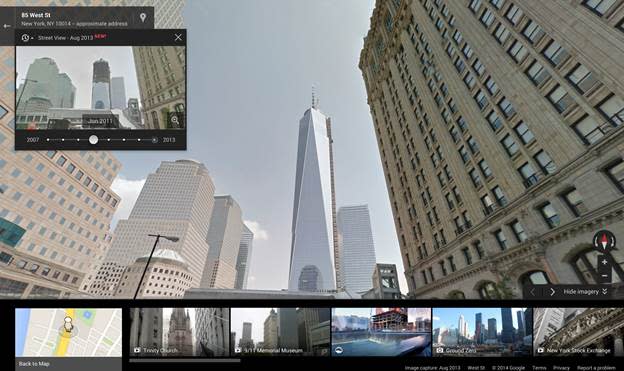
{"points": [[499, 124], [599, 330], [180, 335]]}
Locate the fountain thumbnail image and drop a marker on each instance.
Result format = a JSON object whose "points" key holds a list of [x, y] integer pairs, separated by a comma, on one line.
{"points": [[579, 331], [482, 332], [386, 332]]}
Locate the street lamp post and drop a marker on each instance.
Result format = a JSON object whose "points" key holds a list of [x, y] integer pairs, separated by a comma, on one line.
{"points": [[158, 237]]}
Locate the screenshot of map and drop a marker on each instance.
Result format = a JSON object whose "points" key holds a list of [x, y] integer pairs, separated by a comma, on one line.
{"points": [[68, 332]]}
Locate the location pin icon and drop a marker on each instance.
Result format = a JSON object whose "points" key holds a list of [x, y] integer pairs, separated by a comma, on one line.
{"points": [[142, 16]]}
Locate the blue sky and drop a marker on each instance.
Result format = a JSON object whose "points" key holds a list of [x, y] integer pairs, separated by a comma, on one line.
{"points": [[251, 68], [449, 317]]}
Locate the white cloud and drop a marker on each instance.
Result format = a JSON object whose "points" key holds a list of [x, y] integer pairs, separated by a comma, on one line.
{"points": [[258, 231], [128, 191], [435, 318]]}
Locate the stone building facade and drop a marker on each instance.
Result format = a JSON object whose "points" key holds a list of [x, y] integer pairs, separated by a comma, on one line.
{"points": [[598, 330], [499, 124]]}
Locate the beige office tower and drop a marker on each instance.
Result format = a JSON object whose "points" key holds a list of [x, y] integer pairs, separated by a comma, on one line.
{"points": [[64, 204], [176, 201], [499, 125], [104, 245], [224, 237]]}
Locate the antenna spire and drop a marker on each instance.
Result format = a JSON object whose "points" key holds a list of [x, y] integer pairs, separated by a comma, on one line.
{"points": [[315, 98]]}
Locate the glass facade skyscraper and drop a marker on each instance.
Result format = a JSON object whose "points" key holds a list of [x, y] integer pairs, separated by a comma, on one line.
{"points": [[313, 227], [357, 249]]}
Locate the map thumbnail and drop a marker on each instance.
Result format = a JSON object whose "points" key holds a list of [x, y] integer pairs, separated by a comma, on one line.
{"points": [[69, 332]]}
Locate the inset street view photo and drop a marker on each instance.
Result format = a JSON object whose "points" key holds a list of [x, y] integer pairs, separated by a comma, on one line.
{"points": [[179, 332], [280, 332], [387, 332], [579, 332], [482, 332], [109, 87]]}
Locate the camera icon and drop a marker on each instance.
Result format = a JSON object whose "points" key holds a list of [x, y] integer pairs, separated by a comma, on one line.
{"points": [[439, 350]]}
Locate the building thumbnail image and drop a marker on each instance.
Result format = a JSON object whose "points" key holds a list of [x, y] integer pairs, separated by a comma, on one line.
{"points": [[179, 332], [281, 331], [49, 99], [482, 332], [161, 75], [387, 332], [499, 125], [146, 331], [212, 332], [179, 339], [579, 332]]}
